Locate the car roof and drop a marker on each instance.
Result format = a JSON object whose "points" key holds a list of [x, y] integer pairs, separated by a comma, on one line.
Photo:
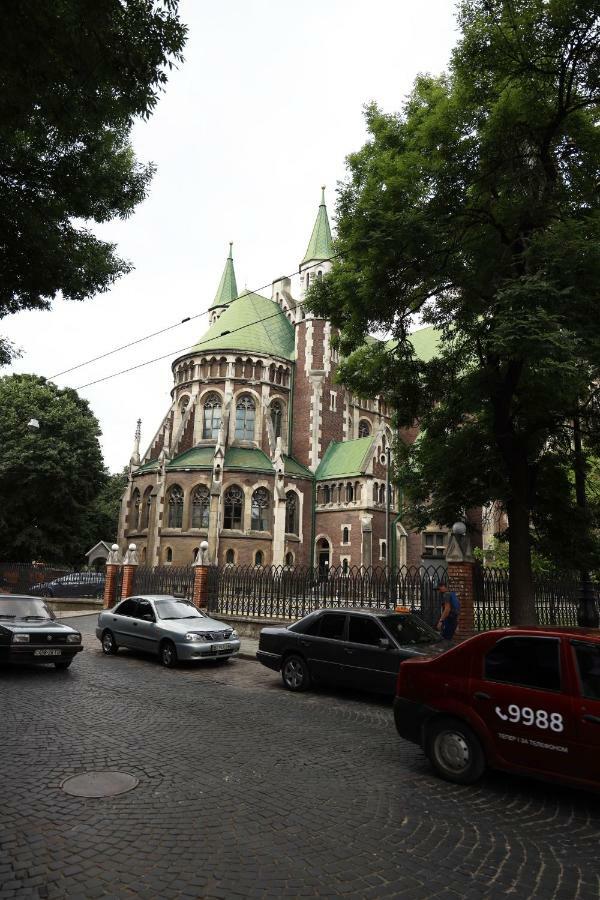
{"points": [[545, 631], [366, 610], [20, 597], [155, 597]]}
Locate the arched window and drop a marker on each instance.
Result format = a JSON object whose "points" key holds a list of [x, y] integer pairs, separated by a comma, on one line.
{"points": [[382, 493], [234, 507], [259, 558], [200, 506], [364, 428], [319, 274], [383, 550], [289, 559], [184, 403], [349, 493], [291, 512], [276, 417], [134, 513], [345, 536], [345, 566], [175, 515], [146, 503], [195, 552], [169, 555], [212, 417], [261, 500], [326, 494], [245, 412], [230, 557]]}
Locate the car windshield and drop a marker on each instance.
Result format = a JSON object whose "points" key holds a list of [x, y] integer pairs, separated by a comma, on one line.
{"points": [[27, 608], [408, 629], [171, 608]]}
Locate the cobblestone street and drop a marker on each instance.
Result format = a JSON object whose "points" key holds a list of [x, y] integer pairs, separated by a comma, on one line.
{"points": [[246, 790]]}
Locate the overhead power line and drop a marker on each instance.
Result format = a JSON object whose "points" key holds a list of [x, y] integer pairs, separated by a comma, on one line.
{"points": [[147, 337]]}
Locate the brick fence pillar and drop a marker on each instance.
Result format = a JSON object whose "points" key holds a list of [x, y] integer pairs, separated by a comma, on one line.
{"points": [[113, 565], [200, 589], [130, 562], [461, 580]]}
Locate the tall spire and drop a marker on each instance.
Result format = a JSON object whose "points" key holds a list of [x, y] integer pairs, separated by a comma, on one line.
{"points": [[320, 245], [135, 456], [227, 290]]}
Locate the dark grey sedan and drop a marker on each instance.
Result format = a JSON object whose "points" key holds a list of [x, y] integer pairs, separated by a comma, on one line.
{"points": [[29, 633], [174, 629]]}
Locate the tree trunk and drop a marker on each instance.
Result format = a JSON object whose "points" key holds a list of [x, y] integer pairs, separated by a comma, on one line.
{"points": [[520, 581]]}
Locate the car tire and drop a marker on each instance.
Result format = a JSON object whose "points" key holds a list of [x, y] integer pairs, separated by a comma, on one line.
{"points": [[63, 665], [109, 645], [168, 654], [295, 673], [455, 751]]}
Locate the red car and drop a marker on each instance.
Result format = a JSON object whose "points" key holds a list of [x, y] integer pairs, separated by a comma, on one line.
{"points": [[521, 699]]}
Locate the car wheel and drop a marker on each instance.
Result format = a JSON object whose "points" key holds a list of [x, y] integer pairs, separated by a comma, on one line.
{"points": [[295, 673], [109, 645], [454, 751], [61, 666], [168, 654]]}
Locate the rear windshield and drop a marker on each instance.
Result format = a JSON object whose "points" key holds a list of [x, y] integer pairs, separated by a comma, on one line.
{"points": [[409, 629], [27, 608]]}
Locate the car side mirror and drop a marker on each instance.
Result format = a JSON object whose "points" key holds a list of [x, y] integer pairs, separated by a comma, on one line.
{"points": [[385, 643]]}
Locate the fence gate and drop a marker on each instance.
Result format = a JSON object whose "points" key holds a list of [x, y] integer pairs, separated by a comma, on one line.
{"points": [[175, 580]]}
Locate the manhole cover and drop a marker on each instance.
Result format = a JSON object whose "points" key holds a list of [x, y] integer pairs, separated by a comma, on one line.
{"points": [[99, 784]]}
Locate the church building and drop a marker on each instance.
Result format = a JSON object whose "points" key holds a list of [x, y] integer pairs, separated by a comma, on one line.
{"points": [[261, 452]]}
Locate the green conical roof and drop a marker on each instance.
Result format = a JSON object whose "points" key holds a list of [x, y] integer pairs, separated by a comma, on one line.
{"points": [[227, 290], [320, 245], [252, 323]]}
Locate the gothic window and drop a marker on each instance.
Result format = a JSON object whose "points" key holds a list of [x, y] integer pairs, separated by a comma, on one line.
{"points": [[146, 503], [212, 417], [260, 509], [345, 536], [326, 494], [200, 507], [276, 417], [245, 412], [289, 559], [183, 404], [259, 558], [134, 515], [168, 555], [230, 557], [234, 507], [364, 428], [349, 493], [175, 514], [291, 512]]}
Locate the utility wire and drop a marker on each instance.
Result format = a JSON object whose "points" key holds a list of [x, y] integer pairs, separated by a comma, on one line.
{"points": [[147, 337]]}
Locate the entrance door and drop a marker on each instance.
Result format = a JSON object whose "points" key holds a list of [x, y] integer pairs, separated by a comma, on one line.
{"points": [[323, 556]]}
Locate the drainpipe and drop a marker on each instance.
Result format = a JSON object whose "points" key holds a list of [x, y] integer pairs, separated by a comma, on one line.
{"points": [[313, 523]]}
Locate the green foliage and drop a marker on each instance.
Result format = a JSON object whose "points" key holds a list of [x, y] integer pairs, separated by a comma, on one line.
{"points": [[103, 514], [477, 208], [54, 491], [73, 76]]}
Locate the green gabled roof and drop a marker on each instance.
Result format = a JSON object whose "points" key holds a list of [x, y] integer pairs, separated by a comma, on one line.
{"points": [[344, 459], [247, 458], [320, 245], [147, 466], [251, 323], [227, 290], [425, 342], [293, 467], [196, 458]]}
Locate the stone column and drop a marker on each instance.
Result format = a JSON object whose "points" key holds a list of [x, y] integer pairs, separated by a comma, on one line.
{"points": [[113, 565], [130, 562], [200, 589], [462, 572]]}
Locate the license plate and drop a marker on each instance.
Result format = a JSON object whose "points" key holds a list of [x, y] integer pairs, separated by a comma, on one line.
{"points": [[216, 647], [47, 652]]}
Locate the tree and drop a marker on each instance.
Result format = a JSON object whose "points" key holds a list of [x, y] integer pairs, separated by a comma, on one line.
{"points": [[73, 77], [102, 519], [50, 477], [477, 208]]}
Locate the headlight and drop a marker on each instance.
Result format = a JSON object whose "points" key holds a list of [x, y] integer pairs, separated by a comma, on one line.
{"points": [[234, 634], [73, 638], [20, 639], [194, 636]]}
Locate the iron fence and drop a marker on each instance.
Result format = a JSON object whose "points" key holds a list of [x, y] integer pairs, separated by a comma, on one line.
{"points": [[281, 592], [556, 599], [176, 580], [22, 578]]}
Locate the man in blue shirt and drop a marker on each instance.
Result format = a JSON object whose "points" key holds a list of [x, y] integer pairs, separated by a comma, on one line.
{"points": [[450, 610]]}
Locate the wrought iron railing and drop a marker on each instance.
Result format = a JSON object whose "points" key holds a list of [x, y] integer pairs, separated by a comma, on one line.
{"points": [[556, 599], [281, 592], [176, 580]]}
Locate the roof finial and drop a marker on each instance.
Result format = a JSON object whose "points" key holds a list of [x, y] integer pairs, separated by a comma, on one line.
{"points": [[322, 195], [230, 249]]}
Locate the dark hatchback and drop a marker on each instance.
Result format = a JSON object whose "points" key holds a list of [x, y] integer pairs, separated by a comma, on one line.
{"points": [[29, 633], [359, 648]]}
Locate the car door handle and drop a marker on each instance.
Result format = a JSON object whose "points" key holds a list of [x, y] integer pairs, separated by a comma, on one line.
{"points": [[480, 695], [594, 719]]}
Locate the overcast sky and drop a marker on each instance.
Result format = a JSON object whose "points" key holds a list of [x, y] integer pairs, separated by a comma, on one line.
{"points": [[264, 110]]}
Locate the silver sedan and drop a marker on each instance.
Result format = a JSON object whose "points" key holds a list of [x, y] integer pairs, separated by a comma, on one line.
{"points": [[175, 629]]}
